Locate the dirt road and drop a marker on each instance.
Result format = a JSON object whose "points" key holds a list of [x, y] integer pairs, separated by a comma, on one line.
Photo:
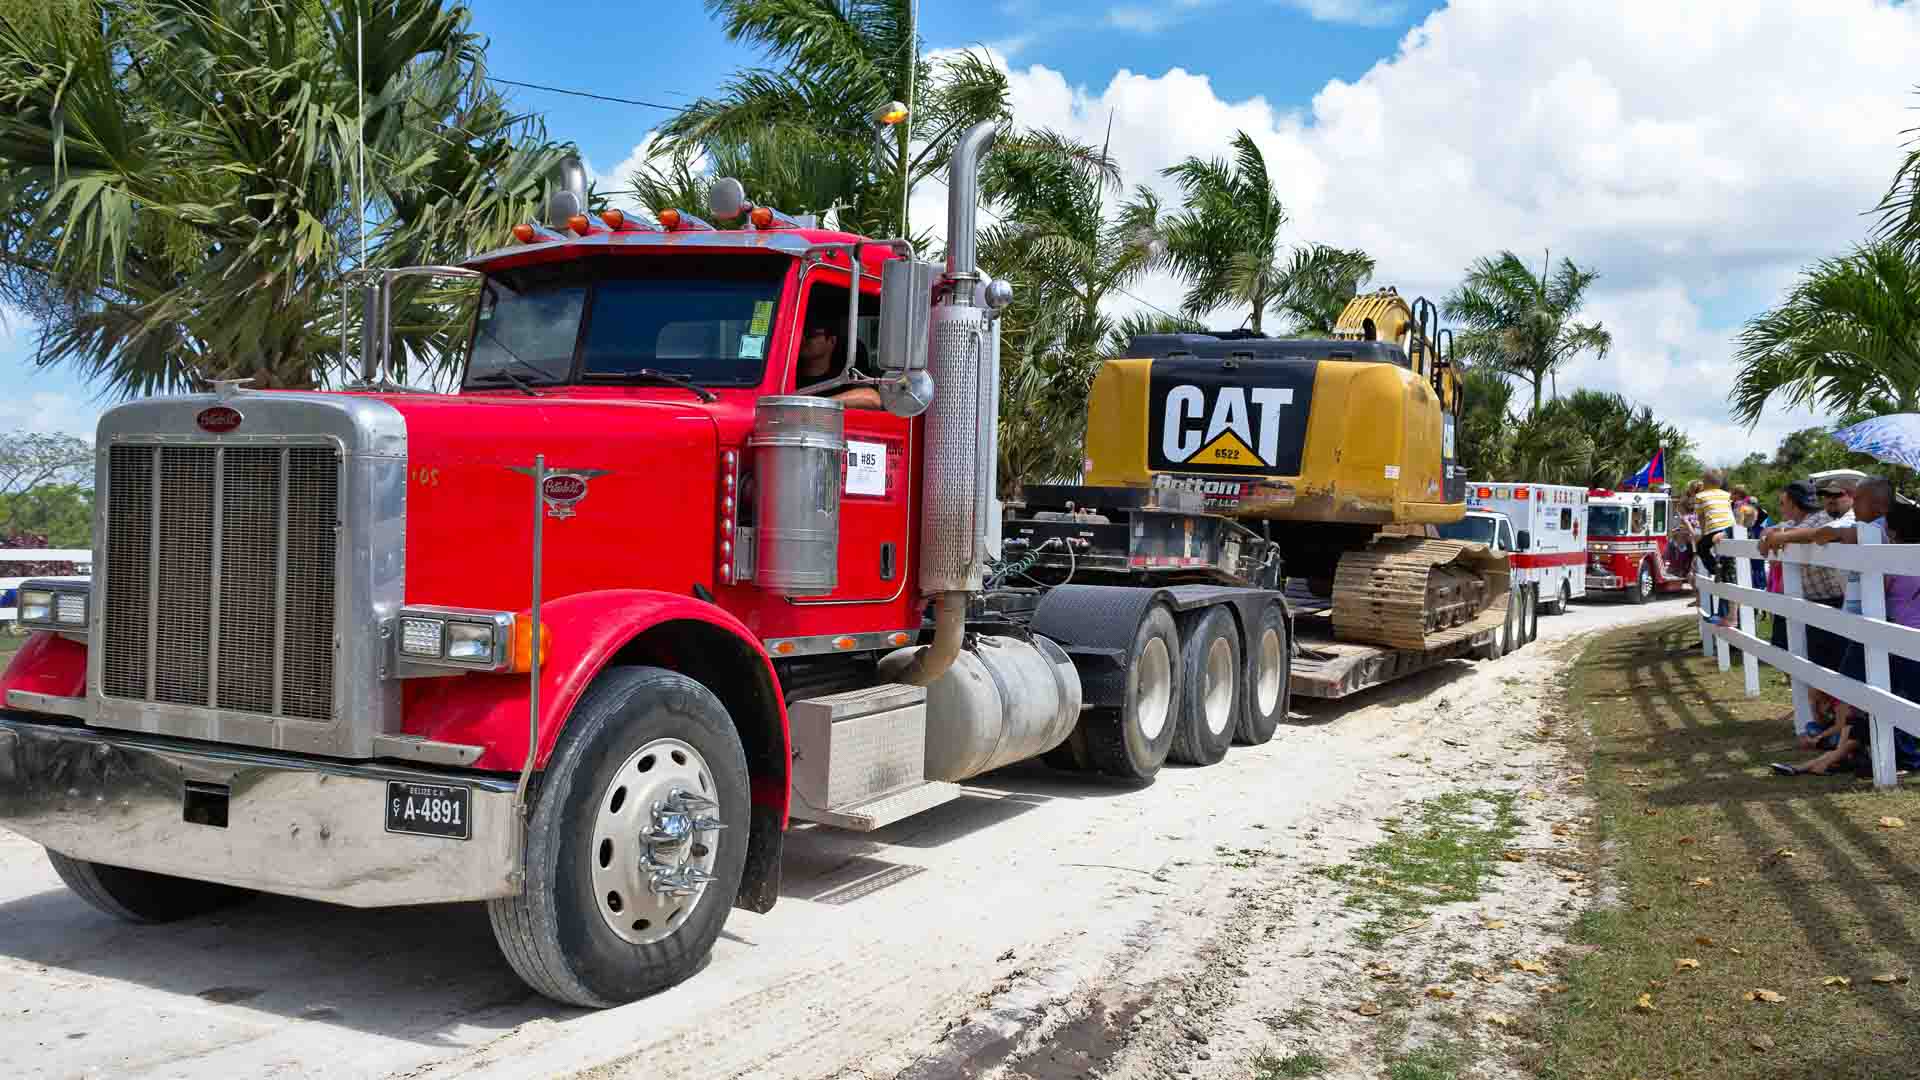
{"points": [[1018, 930]]}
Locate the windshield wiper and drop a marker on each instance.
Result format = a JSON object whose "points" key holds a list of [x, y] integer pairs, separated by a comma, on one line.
{"points": [[671, 378], [502, 372]]}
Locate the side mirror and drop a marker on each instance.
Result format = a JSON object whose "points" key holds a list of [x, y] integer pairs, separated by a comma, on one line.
{"points": [[1526, 541], [906, 298]]}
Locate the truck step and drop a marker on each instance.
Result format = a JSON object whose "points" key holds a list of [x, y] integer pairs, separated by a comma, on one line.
{"points": [[883, 811]]}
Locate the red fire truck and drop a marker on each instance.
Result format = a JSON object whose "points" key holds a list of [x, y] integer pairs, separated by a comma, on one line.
{"points": [[579, 640], [1627, 544]]}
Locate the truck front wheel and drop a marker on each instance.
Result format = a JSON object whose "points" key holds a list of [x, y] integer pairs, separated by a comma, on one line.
{"points": [[140, 896], [636, 846]]}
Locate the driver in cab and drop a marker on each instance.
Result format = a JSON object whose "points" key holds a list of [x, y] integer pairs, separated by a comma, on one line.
{"points": [[820, 360]]}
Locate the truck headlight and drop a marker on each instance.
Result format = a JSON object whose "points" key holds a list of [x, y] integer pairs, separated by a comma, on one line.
{"points": [[36, 606], [455, 638], [54, 605]]}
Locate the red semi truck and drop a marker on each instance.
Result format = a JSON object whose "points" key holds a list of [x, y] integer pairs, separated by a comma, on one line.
{"points": [[581, 639]]}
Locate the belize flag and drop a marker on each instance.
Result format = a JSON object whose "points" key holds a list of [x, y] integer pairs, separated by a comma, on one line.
{"points": [[1654, 472]]}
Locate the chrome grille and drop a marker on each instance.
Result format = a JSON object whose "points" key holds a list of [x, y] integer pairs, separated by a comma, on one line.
{"points": [[220, 577]]}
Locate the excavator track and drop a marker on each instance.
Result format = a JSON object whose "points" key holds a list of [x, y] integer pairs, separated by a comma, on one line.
{"points": [[1417, 593]]}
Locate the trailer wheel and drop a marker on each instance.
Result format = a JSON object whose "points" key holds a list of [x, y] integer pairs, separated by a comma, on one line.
{"points": [[1210, 708], [141, 896], [636, 846], [1269, 687], [1642, 588], [1132, 741]]}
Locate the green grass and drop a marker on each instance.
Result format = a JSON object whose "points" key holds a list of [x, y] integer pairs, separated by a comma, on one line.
{"points": [[1439, 1062], [1439, 853], [1696, 829], [1303, 1063]]}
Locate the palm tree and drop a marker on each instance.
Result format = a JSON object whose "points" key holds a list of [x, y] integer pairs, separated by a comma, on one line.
{"points": [[1049, 236], [1523, 323], [1846, 341], [181, 179], [1225, 239], [1316, 285], [1485, 432], [839, 63]]}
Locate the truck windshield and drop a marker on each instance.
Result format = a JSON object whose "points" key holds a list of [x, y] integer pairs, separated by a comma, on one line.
{"points": [[1478, 530], [612, 319], [1607, 521]]}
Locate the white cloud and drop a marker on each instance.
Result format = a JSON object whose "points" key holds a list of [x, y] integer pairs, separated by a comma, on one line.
{"points": [[60, 413], [620, 177], [1695, 154], [1153, 18], [1354, 12]]}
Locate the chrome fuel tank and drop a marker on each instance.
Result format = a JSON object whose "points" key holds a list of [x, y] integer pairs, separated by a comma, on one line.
{"points": [[1003, 700]]}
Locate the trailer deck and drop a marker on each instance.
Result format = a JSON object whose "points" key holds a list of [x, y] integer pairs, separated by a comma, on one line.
{"points": [[1325, 668]]}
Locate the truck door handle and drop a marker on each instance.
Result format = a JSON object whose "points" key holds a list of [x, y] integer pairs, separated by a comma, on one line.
{"points": [[886, 561]]}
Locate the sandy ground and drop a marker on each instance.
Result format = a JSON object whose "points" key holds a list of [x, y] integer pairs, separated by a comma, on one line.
{"points": [[1045, 925]]}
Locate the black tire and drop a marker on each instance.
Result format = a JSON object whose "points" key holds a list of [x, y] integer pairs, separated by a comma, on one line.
{"points": [[1118, 741], [1509, 629], [1558, 605], [141, 896], [1211, 695], [1258, 723], [1533, 613], [1642, 589], [554, 933]]}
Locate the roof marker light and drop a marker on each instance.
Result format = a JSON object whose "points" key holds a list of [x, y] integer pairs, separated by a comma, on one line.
{"points": [[669, 219], [578, 223], [614, 218], [523, 232], [761, 217]]}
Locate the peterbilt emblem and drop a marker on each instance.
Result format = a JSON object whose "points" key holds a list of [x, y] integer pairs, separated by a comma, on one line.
{"points": [[563, 489], [218, 419]]}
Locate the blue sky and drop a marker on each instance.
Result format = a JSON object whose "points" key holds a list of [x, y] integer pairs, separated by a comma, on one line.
{"points": [[1697, 155]]}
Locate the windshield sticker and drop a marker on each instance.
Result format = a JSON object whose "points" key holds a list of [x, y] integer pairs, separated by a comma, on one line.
{"points": [[762, 318], [753, 347]]}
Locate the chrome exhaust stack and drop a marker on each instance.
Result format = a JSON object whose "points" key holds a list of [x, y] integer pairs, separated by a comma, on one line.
{"points": [[959, 525]]}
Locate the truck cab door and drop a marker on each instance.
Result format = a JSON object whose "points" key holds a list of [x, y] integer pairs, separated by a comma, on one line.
{"points": [[877, 486]]}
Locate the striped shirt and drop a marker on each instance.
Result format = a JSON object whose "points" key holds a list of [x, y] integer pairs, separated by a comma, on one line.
{"points": [[1716, 509]]}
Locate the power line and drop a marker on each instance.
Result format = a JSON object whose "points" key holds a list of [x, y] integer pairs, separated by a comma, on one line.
{"points": [[585, 94]]}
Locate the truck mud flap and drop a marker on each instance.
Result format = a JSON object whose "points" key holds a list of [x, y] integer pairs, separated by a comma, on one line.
{"points": [[1095, 625]]}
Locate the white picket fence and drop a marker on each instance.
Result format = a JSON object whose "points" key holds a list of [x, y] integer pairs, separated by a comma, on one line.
{"points": [[1878, 637], [82, 556]]}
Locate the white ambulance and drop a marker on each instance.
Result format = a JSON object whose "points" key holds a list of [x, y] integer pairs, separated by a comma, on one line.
{"points": [[1543, 527]]}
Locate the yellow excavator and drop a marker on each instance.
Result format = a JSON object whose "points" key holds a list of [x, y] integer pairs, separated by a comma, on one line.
{"points": [[1340, 450]]}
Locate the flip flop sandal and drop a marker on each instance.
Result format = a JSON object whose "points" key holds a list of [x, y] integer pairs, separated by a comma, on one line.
{"points": [[1783, 769]]}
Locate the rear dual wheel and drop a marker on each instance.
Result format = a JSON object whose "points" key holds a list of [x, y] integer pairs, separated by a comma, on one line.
{"points": [[1132, 741], [1210, 713]]}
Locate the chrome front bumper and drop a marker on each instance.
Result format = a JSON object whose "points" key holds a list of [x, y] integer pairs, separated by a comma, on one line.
{"points": [[295, 826]]}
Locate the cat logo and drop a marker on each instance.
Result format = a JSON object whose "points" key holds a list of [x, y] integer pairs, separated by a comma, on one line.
{"points": [[1239, 428]]}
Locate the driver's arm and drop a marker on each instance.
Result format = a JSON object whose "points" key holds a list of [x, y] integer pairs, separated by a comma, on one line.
{"points": [[858, 397]]}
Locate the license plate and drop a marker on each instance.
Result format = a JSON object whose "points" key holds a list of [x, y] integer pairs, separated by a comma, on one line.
{"points": [[444, 810]]}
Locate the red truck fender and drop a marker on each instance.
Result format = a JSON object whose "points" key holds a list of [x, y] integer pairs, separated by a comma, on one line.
{"points": [[593, 630], [47, 664]]}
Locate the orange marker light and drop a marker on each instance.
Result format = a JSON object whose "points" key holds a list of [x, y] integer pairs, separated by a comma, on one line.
{"points": [[761, 217], [784, 648], [669, 219], [523, 644], [899, 638], [613, 218], [844, 643], [578, 223], [523, 232]]}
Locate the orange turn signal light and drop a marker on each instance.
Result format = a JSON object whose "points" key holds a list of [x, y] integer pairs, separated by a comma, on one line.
{"points": [[669, 219], [613, 218], [761, 217], [523, 232], [578, 223], [523, 644]]}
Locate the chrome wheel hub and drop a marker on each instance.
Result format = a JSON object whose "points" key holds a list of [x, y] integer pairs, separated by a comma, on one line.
{"points": [[1218, 704], [655, 841], [1267, 688], [1153, 688]]}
